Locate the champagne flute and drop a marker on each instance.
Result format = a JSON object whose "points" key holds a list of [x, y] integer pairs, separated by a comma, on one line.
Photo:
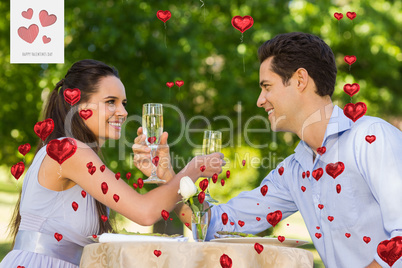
{"points": [[152, 125], [211, 143]]}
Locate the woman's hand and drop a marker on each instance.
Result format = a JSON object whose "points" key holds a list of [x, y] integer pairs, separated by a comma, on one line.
{"points": [[142, 156], [205, 165]]}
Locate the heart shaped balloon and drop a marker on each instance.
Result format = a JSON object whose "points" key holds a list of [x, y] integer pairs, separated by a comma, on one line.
{"points": [[321, 150], [318, 235], [281, 238], [370, 138], [281, 170], [155, 161], [72, 96], [58, 237], [44, 128], [201, 197], [92, 170], [104, 218], [350, 59], [274, 218], [258, 247], [204, 184], [170, 84], [179, 83], [335, 169], [241, 223], [225, 218], [202, 168], [242, 23], [215, 178], [390, 250], [116, 198], [366, 239], [351, 15], [228, 174], [17, 170], [85, 114], [165, 214], [83, 193], [351, 89], [317, 174], [163, 15], [338, 16], [303, 189], [102, 168], [355, 111], [104, 187], [140, 183], [338, 188], [264, 190], [75, 206], [24, 148], [61, 150], [225, 261], [157, 253], [330, 218]]}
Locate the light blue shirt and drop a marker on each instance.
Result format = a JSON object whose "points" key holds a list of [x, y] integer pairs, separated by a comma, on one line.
{"points": [[368, 205]]}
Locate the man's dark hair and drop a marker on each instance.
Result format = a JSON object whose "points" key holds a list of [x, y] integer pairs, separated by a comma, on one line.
{"points": [[291, 51]]}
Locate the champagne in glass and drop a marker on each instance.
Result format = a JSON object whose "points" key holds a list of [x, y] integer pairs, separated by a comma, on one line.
{"points": [[212, 143], [152, 125]]}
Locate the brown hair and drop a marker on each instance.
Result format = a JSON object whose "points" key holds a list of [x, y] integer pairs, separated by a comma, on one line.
{"points": [[84, 75], [291, 51]]}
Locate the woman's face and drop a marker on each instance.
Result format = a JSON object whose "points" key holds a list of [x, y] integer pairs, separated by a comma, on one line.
{"points": [[108, 109]]}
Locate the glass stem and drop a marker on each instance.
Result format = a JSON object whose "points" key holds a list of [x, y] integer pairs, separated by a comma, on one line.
{"points": [[207, 190], [153, 151]]}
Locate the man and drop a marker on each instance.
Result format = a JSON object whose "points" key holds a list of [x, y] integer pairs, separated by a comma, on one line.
{"points": [[345, 177]]}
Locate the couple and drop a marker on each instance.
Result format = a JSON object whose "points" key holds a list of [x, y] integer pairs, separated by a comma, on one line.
{"points": [[345, 177]]}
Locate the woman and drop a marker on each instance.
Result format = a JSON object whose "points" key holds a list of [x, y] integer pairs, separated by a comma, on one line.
{"points": [[64, 202]]}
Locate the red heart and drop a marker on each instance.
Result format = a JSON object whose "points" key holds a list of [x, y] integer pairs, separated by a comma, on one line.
{"points": [[201, 197], [164, 15], [83, 193], [92, 170], [102, 168], [320, 206], [226, 261], [155, 161], [204, 184], [202, 168], [355, 111], [72, 96], [335, 169], [117, 175], [351, 89], [17, 170], [366, 239], [321, 150], [19, 266], [222, 182], [116, 198], [274, 217], [318, 235], [94, 236], [58, 237], [28, 34], [258, 218], [44, 128], [24, 148], [187, 224], [215, 178], [241, 223], [351, 15], [75, 206], [85, 114], [347, 235], [140, 183], [170, 84], [390, 250], [264, 190], [242, 23], [308, 173], [104, 218], [350, 59], [89, 165], [318, 227], [338, 188], [157, 253], [179, 83], [330, 218], [243, 162], [280, 170], [281, 238], [165, 214], [224, 218], [46, 19], [231, 223], [46, 39], [303, 189], [228, 174], [152, 139], [258, 247], [128, 175], [317, 174], [27, 14], [338, 16], [61, 150], [104, 187], [135, 185], [370, 138], [303, 174]]}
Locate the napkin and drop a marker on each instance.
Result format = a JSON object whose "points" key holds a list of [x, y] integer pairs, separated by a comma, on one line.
{"points": [[106, 237]]}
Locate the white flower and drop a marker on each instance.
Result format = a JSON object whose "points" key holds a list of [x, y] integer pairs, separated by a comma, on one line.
{"points": [[187, 188]]}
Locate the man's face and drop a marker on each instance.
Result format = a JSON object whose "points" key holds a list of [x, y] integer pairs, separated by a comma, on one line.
{"points": [[275, 98]]}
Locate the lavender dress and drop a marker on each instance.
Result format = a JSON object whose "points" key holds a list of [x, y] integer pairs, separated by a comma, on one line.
{"points": [[47, 216]]}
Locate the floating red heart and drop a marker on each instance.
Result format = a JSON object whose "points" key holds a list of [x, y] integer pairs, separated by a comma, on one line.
{"points": [[135, 185], [27, 14], [61, 150], [179, 83], [318, 227], [104, 187], [201, 197], [44, 128], [83, 193], [280, 170], [128, 175], [187, 224], [264, 190], [347, 235], [165, 214], [225, 261], [89, 165], [321, 150], [335, 169], [215, 178], [390, 250], [102, 168], [116, 198], [204, 184], [303, 174], [85, 114], [140, 183], [351, 15], [24, 148], [92, 170], [242, 23], [370, 138], [258, 218], [350, 59], [320, 206], [366, 239], [104, 218], [308, 173], [243, 162], [157, 253], [94, 236], [222, 182], [117, 175], [164, 15], [317, 174], [19, 266], [281, 238], [338, 188], [72, 96], [338, 16], [318, 235], [258, 247], [351, 89], [58, 237], [155, 161], [274, 217], [228, 174], [75, 206], [46, 19], [224, 218], [152, 139], [330, 218], [355, 111], [231, 223], [170, 84], [202, 168], [28, 34], [241, 223], [17, 170], [303, 189]]}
